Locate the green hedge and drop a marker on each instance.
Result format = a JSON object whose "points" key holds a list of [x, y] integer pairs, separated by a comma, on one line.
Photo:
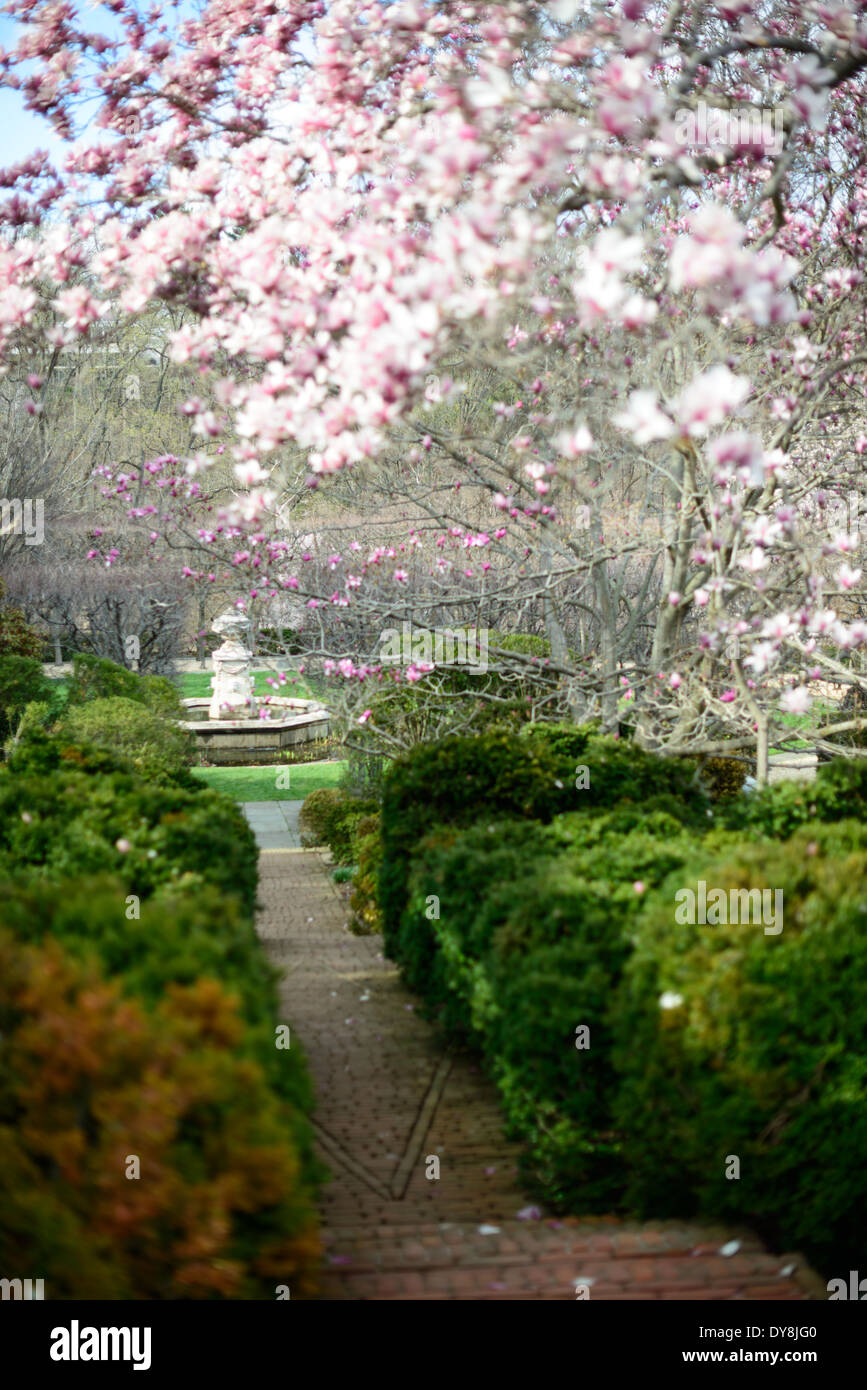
{"points": [[838, 792], [532, 932], [155, 745], [92, 1080], [502, 775], [364, 899], [764, 1056], [465, 872], [182, 933], [93, 815], [21, 683], [520, 918], [315, 811], [17, 637], [331, 816], [127, 925], [96, 678]]}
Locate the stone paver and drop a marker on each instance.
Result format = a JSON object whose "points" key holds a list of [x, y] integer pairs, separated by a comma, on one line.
{"points": [[274, 823], [389, 1100], [792, 767]]}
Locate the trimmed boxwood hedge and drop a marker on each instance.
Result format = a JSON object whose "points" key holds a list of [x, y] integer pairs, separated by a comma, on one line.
{"points": [[41, 752], [97, 678], [63, 810], [22, 681], [156, 746], [464, 872], [764, 1056], [519, 918], [504, 775], [182, 933], [92, 1079], [332, 817], [533, 931], [367, 852], [127, 945], [838, 792]]}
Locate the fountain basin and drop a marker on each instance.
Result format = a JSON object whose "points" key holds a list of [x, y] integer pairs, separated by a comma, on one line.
{"points": [[240, 741]]}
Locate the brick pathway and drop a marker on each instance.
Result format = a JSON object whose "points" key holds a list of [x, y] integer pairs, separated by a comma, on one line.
{"points": [[389, 1100]]}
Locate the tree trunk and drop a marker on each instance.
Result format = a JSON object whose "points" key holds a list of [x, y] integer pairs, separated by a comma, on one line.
{"points": [[201, 638], [607, 647], [762, 758]]}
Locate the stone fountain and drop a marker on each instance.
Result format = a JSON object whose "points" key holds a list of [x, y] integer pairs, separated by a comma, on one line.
{"points": [[233, 727]]}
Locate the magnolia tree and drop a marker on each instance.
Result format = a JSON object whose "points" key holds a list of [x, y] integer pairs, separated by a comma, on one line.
{"points": [[639, 225]]}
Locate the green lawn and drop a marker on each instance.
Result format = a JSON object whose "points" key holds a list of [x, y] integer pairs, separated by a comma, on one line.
{"points": [[821, 712], [260, 783], [196, 685]]}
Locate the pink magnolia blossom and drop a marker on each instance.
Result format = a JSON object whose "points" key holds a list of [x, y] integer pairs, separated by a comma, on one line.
{"points": [[795, 700], [847, 577], [573, 444], [643, 419], [709, 399], [345, 199]]}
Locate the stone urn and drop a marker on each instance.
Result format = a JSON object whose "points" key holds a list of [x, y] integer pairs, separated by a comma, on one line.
{"points": [[232, 681]]}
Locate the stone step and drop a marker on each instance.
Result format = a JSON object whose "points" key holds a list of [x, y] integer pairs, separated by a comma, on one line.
{"points": [[559, 1260]]}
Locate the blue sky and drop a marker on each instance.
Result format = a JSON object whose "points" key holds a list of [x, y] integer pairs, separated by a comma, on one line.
{"points": [[22, 131]]}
